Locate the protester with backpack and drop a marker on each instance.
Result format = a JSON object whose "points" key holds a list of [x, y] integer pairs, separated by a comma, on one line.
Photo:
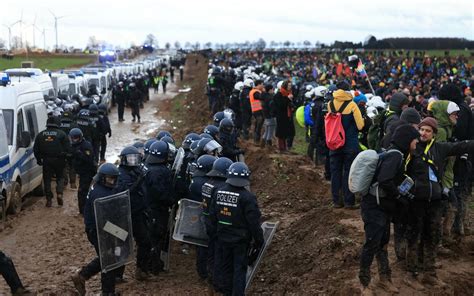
{"points": [[379, 204], [285, 128], [342, 125]]}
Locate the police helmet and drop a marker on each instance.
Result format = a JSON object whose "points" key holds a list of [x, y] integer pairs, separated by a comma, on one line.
{"points": [[226, 125], [194, 146], [218, 117], [130, 156], [75, 135], [320, 91], [107, 175], [158, 153], [171, 146], [204, 165], [238, 175], [161, 134], [199, 150], [212, 147], [52, 121], [167, 139], [102, 108], [146, 148], [189, 139], [219, 168], [85, 102], [211, 130], [206, 136], [140, 146], [229, 113], [76, 97], [93, 109]]}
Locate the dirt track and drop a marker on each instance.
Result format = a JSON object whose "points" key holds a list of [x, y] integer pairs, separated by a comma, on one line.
{"points": [[315, 251]]}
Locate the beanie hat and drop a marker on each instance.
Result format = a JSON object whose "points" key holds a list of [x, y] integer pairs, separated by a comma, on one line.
{"points": [[403, 136], [397, 101], [359, 97], [430, 121], [450, 92], [411, 116]]}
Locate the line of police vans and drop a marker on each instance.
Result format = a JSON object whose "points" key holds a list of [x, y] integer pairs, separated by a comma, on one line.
{"points": [[23, 113]]}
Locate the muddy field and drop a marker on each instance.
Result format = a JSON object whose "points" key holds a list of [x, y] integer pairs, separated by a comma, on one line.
{"points": [[314, 252]]}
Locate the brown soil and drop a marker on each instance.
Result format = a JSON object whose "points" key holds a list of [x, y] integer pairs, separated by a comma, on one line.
{"points": [[314, 252]]}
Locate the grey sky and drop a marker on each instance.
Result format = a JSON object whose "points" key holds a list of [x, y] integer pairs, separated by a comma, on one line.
{"points": [[121, 23]]}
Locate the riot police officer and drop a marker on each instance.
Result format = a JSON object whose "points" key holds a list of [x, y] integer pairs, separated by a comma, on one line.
{"points": [[95, 130], [203, 166], [227, 140], [104, 129], [68, 123], [160, 197], [105, 185], [181, 181], [134, 100], [131, 179], [50, 149], [235, 219], [120, 96], [83, 163]]}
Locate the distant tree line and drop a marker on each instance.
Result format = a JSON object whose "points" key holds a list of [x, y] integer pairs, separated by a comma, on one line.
{"points": [[416, 43]]}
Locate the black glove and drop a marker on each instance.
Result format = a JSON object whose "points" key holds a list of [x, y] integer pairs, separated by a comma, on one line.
{"points": [[253, 253], [39, 162], [406, 198], [110, 134]]}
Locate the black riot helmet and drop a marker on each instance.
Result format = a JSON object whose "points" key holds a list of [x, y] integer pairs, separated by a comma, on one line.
{"points": [[218, 117], [161, 134], [238, 175], [189, 139], [219, 168], [75, 135], [130, 156], [158, 153], [204, 165], [146, 148], [226, 126], [107, 175], [93, 109], [211, 130]]}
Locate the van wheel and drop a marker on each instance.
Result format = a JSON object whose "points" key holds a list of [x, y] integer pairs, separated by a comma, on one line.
{"points": [[15, 199], [39, 191]]}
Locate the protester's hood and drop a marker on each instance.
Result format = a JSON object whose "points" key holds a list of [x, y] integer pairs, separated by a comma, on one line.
{"points": [[440, 113], [451, 93], [397, 101], [341, 95]]}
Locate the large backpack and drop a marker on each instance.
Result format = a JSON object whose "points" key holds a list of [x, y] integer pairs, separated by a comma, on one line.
{"points": [[376, 131], [363, 170], [335, 134]]}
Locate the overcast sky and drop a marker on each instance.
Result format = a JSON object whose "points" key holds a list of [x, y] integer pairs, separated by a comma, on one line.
{"points": [[220, 21]]}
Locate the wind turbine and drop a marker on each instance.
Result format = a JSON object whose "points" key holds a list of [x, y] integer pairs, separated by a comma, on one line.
{"points": [[9, 27], [56, 18], [34, 30], [20, 21]]}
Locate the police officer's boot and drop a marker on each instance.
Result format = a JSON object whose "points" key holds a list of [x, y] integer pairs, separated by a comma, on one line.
{"points": [[60, 199], [23, 292], [140, 275], [49, 203], [79, 283]]}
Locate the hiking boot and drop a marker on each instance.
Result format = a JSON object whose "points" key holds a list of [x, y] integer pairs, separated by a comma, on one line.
{"points": [[351, 207], [140, 275], [60, 200], [139, 120], [79, 283], [133, 120], [386, 284], [49, 203], [412, 281], [337, 206], [23, 292]]}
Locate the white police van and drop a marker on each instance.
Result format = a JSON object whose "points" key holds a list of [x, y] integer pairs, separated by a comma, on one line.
{"points": [[22, 116], [18, 75]]}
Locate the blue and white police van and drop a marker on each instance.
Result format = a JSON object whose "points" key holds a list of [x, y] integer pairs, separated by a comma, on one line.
{"points": [[22, 116]]}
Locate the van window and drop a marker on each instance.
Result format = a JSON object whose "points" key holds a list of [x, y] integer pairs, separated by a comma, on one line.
{"points": [[3, 136], [8, 119], [94, 81], [72, 89], [103, 82], [51, 93], [20, 127], [32, 121]]}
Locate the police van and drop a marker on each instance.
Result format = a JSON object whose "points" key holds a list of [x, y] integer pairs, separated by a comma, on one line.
{"points": [[60, 83], [33, 75], [22, 116]]}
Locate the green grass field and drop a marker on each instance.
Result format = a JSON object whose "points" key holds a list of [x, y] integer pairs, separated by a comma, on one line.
{"points": [[48, 62]]}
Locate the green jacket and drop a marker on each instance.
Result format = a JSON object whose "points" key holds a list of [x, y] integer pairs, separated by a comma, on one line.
{"points": [[445, 132]]}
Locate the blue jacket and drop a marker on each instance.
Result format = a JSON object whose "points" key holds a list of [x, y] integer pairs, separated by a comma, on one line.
{"points": [[128, 180], [195, 189], [159, 186], [97, 191]]}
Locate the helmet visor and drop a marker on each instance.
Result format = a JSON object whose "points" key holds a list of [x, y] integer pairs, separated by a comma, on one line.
{"points": [[212, 146], [133, 159]]}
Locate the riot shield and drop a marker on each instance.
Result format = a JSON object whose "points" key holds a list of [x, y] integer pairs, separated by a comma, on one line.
{"points": [[269, 229], [166, 250], [178, 162], [114, 230], [190, 227]]}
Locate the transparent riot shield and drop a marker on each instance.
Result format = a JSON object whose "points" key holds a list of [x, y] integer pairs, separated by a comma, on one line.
{"points": [[166, 250], [114, 230], [178, 162], [190, 227], [269, 229]]}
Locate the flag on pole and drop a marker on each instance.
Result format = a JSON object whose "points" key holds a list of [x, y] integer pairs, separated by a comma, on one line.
{"points": [[361, 69]]}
